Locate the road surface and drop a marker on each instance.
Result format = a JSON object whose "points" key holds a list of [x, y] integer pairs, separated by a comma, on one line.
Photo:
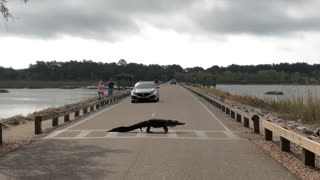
{"points": [[204, 148]]}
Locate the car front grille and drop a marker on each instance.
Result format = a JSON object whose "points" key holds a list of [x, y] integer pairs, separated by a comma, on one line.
{"points": [[143, 94]]}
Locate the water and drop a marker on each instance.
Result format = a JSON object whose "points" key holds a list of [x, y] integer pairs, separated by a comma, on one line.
{"points": [[260, 90], [26, 101]]}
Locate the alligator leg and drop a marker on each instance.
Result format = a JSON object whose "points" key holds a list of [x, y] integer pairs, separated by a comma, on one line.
{"points": [[148, 129], [165, 128]]}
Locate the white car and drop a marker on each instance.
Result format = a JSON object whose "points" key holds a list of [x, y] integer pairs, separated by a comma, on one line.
{"points": [[145, 91]]}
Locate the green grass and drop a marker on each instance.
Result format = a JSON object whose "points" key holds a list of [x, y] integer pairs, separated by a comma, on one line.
{"points": [[4, 91], [298, 105], [274, 93]]}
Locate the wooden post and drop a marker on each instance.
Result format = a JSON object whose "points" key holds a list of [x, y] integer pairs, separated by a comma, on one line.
{"points": [[1, 142], [256, 124], [55, 121], [245, 122], [91, 108], [232, 114], [85, 110], [308, 158], [77, 113], [223, 109], [37, 125], [67, 118], [238, 118], [228, 111], [284, 144], [268, 135]]}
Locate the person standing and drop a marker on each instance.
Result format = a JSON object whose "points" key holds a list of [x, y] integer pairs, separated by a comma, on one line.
{"points": [[101, 88], [110, 87]]}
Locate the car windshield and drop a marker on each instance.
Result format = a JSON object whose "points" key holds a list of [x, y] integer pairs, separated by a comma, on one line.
{"points": [[145, 85]]}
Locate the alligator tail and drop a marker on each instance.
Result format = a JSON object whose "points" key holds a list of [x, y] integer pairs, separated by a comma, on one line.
{"points": [[129, 128]]}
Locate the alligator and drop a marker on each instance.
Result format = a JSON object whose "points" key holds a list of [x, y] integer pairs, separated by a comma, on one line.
{"points": [[155, 123]]}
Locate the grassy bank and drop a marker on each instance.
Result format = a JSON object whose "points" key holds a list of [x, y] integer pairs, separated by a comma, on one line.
{"points": [[294, 106], [298, 105], [46, 84]]}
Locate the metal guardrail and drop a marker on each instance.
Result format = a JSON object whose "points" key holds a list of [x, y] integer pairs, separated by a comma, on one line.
{"points": [[309, 147], [76, 110]]}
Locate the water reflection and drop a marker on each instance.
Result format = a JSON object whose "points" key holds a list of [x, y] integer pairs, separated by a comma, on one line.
{"points": [[260, 90], [25, 101]]}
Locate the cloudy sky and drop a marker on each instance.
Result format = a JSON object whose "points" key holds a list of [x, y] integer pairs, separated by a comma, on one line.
{"points": [[186, 32]]}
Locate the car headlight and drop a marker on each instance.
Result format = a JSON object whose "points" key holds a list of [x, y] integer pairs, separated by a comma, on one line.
{"points": [[154, 92]]}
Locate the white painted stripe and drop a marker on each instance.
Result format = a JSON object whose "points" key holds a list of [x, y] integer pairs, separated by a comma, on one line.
{"points": [[178, 130], [230, 134], [146, 137], [83, 134], [141, 134], [54, 134], [201, 134], [112, 134], [206, 108], [94, 115], [172, 133]]}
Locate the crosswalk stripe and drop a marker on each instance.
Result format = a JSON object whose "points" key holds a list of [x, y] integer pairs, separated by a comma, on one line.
{"points": [[184, 134], [83, 134], [201, 134], [172, 133], [112, 134], [141, 134]]}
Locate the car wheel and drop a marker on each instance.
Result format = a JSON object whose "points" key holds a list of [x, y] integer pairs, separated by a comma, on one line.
{"points": [[133, 101]]}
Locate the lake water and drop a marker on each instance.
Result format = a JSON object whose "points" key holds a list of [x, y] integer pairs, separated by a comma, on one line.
{"points": [[26, 101], [260, 90]]}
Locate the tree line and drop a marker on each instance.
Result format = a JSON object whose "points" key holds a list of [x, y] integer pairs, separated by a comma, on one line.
{"points": [[88, 70]]}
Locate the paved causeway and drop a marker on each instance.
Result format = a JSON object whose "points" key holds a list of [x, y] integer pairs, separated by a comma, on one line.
{"points": [[204, 148]]}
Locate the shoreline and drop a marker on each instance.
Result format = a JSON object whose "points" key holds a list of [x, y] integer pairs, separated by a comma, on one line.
{"points": [[20, 84]]}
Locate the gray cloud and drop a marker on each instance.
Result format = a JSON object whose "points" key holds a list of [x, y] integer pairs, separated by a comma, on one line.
{"points": [[272, 17], [114, 19]]}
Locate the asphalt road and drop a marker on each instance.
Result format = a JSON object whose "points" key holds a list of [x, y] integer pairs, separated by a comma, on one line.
{"points": [[204, 148]]}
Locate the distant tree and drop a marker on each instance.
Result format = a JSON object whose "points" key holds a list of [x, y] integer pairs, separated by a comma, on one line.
{"points": [[4, 10], [122, 62]]}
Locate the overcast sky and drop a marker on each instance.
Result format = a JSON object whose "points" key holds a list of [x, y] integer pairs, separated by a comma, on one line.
{"points": [[186, 32]]}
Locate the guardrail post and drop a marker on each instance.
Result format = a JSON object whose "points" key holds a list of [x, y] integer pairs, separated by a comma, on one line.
{"points": [[77, 113], [268, 135], [55, 121], [232, 114], [85, 110], [245, 122], [37, 125], [223, 109], [256, 124], [67, 118], [284, 144], [91, 108], [1, 142], [308, 158], [228, 111], [238, 118]]}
